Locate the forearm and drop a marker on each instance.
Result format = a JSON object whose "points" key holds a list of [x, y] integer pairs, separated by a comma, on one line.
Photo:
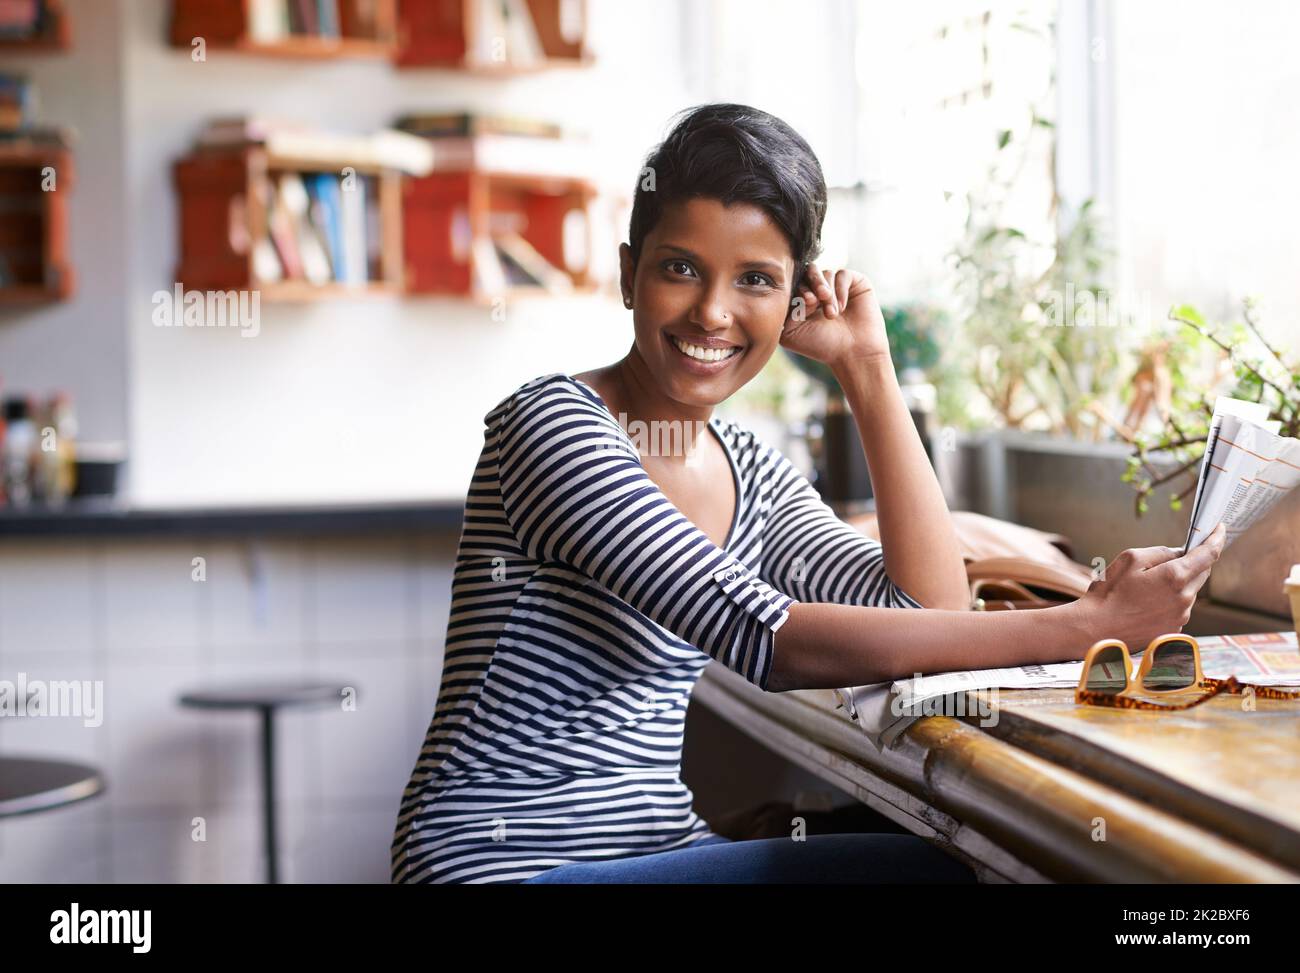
{"points": [[827, 646], [921, 551]]}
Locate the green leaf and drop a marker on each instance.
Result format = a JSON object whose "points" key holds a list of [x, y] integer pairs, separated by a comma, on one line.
{"points": [[1004, 137], [1188, 313]]}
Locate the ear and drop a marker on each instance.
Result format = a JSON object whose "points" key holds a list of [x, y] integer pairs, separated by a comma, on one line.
{"points": [[626, 272]]}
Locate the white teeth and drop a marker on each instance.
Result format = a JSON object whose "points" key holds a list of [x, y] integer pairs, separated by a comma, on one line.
{"points": [[703, 354]]}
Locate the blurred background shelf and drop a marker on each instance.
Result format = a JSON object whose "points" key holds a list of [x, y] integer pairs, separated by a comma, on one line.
{"points": [[37, 26], [299, 29], [35, 180], [501, 37], [485, 235], [297, 229]]}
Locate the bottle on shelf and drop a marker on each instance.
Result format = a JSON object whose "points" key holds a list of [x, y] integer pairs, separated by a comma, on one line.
{"points": [[18, 451], [55, 467]]}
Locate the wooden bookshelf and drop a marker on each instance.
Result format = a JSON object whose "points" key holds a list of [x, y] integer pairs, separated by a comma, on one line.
{"points": [[367, 29], [459, 34], [465, 35], [227, 197], [449, 217], [34, 265], [55, 35]]}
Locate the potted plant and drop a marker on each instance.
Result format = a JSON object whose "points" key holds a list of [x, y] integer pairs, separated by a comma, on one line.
{"points": [[1244, 365]]}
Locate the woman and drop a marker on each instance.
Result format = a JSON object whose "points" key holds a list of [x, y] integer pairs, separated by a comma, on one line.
{"points": [[596, 577]]}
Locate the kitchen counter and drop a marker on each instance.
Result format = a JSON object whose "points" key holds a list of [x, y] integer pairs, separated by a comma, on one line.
{"points": [[113, 518]]}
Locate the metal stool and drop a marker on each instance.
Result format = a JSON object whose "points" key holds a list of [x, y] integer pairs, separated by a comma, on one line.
{"points": [[266, 698], [30, 784]]}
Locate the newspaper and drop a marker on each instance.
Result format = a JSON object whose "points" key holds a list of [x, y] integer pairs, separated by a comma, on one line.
{"points": [[1247, 468], [885, 710]]}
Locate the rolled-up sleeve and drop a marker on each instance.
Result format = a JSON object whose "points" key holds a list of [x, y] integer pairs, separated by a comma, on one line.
{"points": [[574, 492], [812, 554]]}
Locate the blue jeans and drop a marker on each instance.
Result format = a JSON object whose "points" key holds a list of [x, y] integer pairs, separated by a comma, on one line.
{"points": [[827, 858]]}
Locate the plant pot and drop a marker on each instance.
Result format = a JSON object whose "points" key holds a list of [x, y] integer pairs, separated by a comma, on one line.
{"points": [[840, 466], [1058, 485]]}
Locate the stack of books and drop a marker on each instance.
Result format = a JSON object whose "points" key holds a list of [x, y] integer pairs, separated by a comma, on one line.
{"points": [[273, 20], [320, 196], [500, 143], [17, 98], [504, 145], [320, 229]]}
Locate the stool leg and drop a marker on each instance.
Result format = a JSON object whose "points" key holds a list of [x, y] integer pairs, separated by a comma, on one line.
{"points": [[268, 792]]}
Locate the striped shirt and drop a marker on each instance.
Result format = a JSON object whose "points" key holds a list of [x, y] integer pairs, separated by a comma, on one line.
{"points": [[584, 607]]}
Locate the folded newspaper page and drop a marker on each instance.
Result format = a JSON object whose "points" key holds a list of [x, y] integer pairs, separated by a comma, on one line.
{"points": [[1247, 468], [885, 710]]}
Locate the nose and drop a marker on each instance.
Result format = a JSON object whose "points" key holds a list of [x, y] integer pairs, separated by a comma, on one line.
{"points": [[711, 312]]}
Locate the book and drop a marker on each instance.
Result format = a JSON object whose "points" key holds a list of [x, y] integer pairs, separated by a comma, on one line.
{"points": [[311, 248], [15, 102], [489, 274], [268, 20], [304, 17], [280, 225], [445, 124], [353, 227], [374, 231], [535, 268], [387, 148], [326, 210], [523, 46], [327, 18], [20, 19], [515, 154]]}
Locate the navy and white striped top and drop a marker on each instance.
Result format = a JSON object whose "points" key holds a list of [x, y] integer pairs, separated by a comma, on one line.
{"points": [[584, 607]]}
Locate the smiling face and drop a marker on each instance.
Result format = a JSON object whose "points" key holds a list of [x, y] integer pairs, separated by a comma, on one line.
{"points": [[711, 293]]}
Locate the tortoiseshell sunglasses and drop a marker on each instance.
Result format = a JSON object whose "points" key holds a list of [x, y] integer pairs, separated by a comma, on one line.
{"points": [[1170, 669]]}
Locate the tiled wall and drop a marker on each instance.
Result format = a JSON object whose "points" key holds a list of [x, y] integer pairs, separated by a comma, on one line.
{"points": [[369, 612]]}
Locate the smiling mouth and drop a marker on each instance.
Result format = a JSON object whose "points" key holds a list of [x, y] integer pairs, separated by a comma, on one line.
{"points": [[704, 355]]}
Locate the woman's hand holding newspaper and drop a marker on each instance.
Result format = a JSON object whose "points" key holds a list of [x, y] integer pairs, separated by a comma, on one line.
{"points": [[1149, 591]]}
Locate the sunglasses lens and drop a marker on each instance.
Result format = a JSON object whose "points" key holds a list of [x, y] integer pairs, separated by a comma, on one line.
{"points": [[1107, 673], [1172, 667]]}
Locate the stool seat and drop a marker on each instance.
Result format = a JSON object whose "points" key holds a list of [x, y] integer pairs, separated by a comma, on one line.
{"points": [[266, 697], [29, 784], [263, 695]]}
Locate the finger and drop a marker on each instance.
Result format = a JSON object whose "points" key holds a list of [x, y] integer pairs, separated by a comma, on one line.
{"points": [[826, 295], [843, 280], [1145, 558], [1195, 585], [832, 301], [817, 278], [1203, 557]]}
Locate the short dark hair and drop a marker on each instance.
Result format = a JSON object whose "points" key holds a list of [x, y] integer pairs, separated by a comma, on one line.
{"points": [[735, 153]]}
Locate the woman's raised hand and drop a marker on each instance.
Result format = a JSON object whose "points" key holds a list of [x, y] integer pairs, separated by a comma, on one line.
{"points": [[835, 319]]}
